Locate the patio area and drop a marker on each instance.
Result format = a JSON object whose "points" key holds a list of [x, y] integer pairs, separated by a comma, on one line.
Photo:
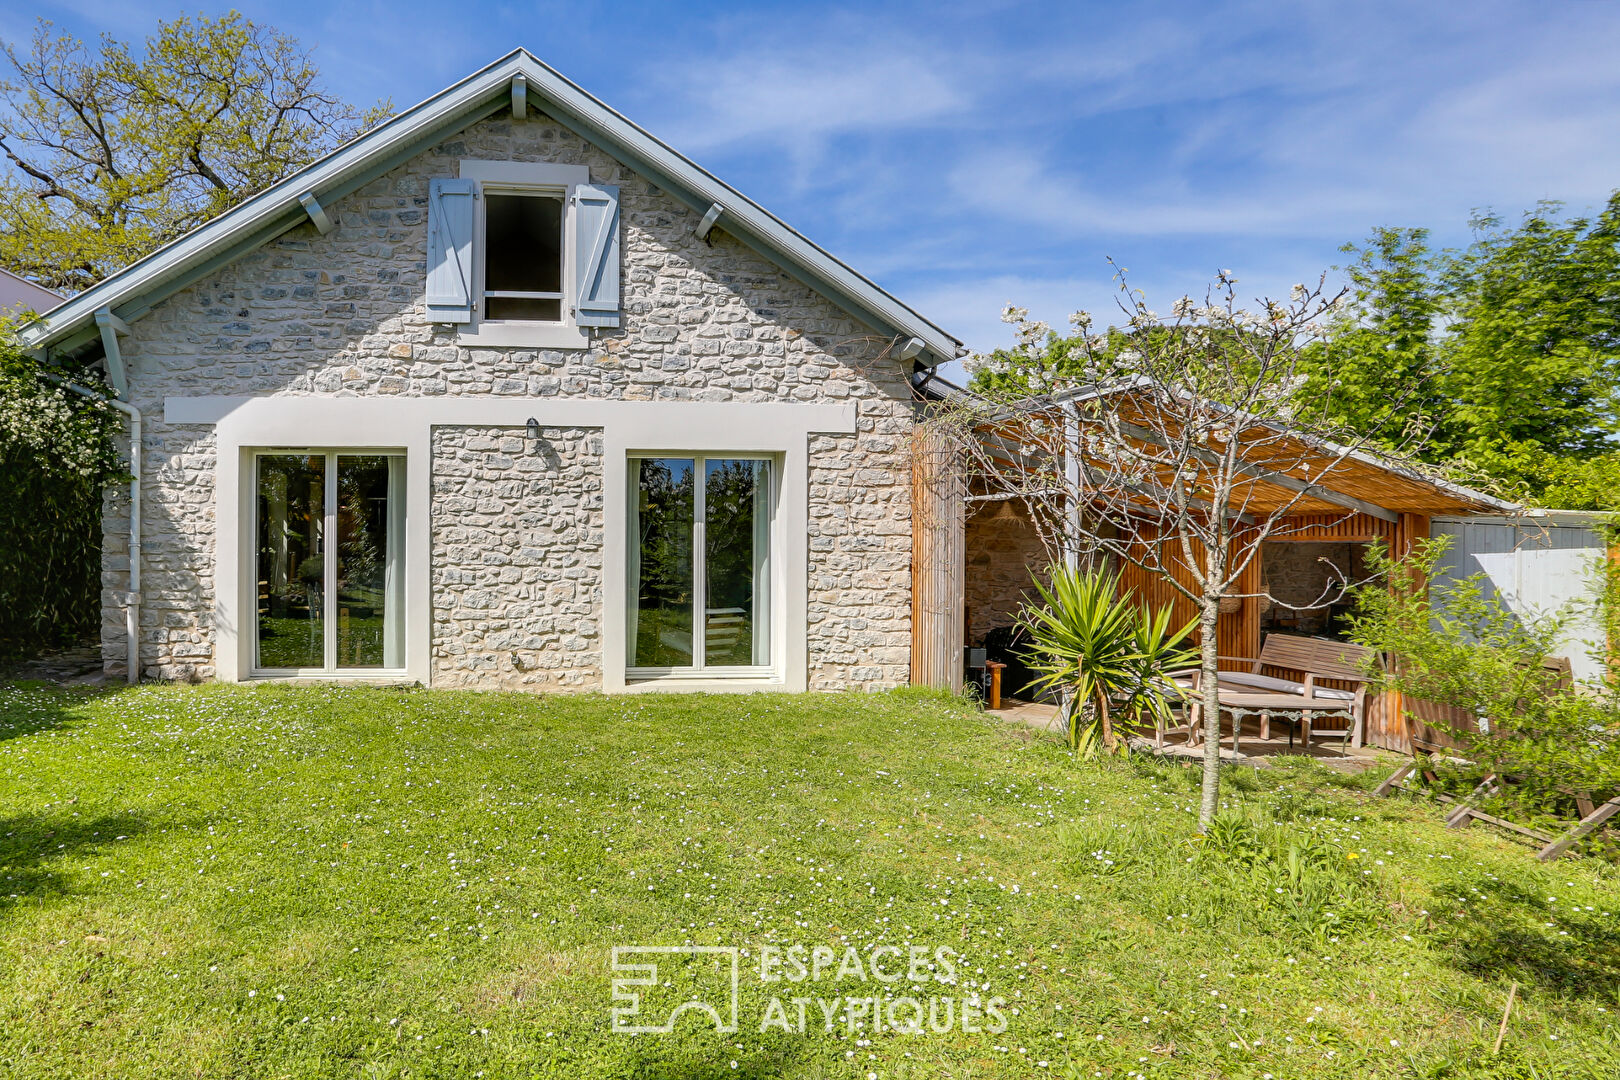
{"points": [[1252, 748]]}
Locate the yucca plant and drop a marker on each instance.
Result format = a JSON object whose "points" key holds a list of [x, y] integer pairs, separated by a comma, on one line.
{"points": [[1112, 656]]}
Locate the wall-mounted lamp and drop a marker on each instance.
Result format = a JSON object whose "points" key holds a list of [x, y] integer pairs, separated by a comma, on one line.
{"points": [[534, 428]]}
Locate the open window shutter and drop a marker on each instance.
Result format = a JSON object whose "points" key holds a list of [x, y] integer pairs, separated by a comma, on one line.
{"points": [[450, 250], [596, 255]]}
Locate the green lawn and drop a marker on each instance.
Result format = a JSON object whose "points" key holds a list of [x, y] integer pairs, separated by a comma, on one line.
{"points": [[297, 882]]}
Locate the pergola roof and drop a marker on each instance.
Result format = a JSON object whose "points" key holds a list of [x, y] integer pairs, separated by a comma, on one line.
{"points": [[1284, 467]]}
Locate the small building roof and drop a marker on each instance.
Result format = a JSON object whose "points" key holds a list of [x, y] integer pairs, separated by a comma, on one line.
{"points": [[17, 291], [1314, 474]]}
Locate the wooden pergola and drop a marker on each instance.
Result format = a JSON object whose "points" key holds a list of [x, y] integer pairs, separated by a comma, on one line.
{"points": [[1336, 497]]}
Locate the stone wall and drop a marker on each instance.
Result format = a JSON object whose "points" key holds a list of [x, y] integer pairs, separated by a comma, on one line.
{"points": [[343, 314], [860, 557], [1298, 573], [517, 558], [1003, 551]]}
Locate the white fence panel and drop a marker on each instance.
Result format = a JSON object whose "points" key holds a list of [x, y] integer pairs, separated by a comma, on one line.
{"points": [[1536, 567]]}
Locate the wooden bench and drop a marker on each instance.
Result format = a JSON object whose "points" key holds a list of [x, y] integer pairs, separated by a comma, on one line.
{"points": [[1330, 681]]}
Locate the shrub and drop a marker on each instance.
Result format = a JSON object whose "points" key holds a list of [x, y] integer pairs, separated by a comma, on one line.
{"points": [[1113, 656], [1453, 644], [57, 453]]}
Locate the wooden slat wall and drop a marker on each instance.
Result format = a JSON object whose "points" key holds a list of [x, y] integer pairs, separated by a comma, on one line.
{"points": [[1331, 528], [1238, 633], [938, 545], [1388, 724]]}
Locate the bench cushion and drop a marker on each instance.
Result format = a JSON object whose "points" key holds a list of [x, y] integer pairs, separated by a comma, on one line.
{"points": [[1262, 682], [1284, 686]]}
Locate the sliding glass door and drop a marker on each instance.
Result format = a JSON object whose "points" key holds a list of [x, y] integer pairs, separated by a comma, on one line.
{"points": [[700, 580], [330, 542]]}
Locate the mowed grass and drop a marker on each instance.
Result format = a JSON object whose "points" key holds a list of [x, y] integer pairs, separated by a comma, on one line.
{"points": [[318, 881]]}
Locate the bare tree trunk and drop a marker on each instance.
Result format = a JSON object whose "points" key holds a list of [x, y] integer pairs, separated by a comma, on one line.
{"points": [[1209, 616]]}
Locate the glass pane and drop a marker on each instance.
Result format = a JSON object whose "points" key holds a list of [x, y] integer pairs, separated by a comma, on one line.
{"points": [[367, 558], [523, 238], [291, 565], [661, 550], [514, 307], [736, 542]]}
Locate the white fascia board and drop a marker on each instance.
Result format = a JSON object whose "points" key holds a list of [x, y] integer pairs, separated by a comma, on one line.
{"points": [[273, 211]]}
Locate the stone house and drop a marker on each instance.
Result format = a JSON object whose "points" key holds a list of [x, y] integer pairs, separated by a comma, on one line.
{"points": [[507, 393]]}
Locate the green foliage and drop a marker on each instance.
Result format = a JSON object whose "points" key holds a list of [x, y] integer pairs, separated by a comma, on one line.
{"points": [[1381, 344], [1516, 338], [57, 454], [1454, 644], [1534, 345], [110, 154], [1113, 655]]}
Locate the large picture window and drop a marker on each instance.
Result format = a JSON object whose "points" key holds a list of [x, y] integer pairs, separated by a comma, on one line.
{"points": [[700, 565], [330, 542]]}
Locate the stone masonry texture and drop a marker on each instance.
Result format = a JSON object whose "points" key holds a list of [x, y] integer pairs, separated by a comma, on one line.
{"points": [[517, 567]]}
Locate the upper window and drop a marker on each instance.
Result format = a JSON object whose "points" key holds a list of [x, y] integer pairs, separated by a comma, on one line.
{"points": [[523, 253], [523, 257]]}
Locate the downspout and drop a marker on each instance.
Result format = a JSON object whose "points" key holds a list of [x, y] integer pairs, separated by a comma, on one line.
{"points": [[132, 603]]}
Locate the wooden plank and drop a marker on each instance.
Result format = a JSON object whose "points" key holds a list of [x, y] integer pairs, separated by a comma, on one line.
{"points": [[1472, 812], [1393, 780], [938, 590], [1458, 818], [1585, 825]]}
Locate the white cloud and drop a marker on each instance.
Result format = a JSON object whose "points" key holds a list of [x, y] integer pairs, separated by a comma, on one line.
{"points": [[782, 99]]}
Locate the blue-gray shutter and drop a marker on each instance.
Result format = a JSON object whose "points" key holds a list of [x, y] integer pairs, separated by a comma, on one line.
{"points": [[451, 206], [596, 255]]}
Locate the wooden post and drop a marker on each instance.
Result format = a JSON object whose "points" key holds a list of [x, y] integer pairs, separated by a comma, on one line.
{"points": [[938, 544], [995, 667]]}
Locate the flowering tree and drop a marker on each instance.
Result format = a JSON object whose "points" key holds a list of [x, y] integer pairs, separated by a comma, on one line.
{"points": [[1176, 444]]}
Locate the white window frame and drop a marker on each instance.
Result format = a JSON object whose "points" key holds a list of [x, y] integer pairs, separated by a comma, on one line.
{"points": [[700, 668], [525, 178], [329, 605]]}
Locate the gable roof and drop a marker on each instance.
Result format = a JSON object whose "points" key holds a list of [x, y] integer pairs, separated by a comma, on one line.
{"points": [[132, 291]]}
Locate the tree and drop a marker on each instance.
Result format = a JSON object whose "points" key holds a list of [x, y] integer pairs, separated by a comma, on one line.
{"points": [[1155, 454], [1533, 349], [1383, 338], [110, 154], [1516, 337]]}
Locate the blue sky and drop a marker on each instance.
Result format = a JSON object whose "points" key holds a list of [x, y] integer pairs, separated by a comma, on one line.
{"points": [[967, 155]]}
